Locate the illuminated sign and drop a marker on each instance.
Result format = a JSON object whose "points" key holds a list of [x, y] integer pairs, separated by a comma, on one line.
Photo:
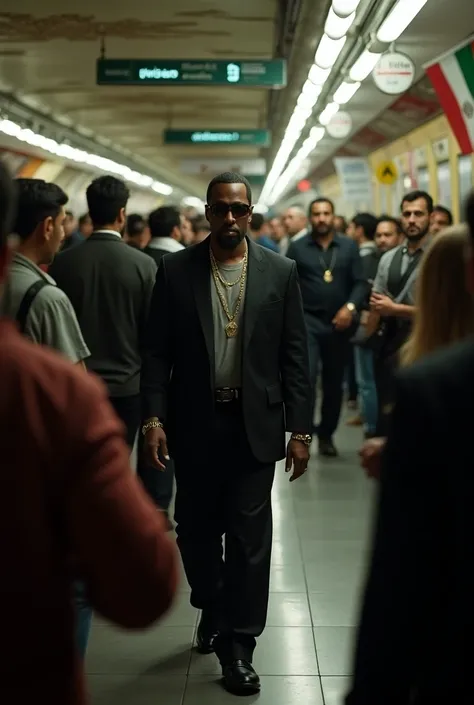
{"points": [[157, 72], [262, 138]]}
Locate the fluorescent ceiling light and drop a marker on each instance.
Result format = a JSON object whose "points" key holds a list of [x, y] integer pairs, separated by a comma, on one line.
{"points": [[328, 51], [317, 133], [306, 101], [336, 27], [364, 65], [8, 127], [318, 76], [311, 90], [328, 113], [398, 19], [344, 8], [345, 92]]}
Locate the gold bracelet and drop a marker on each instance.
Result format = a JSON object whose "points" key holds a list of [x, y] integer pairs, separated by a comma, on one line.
{"points": [[303, 438], [152, 423]]}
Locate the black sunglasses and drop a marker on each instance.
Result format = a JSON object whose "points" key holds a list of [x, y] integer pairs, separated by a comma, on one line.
{"points": [[238, 210]]}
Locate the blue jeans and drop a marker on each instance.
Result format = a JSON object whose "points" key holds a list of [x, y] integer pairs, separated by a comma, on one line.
{"points": [[365, 375], [83, 618]]}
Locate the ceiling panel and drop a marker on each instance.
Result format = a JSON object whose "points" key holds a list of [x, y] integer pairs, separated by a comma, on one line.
{"points": [[51, 55]]}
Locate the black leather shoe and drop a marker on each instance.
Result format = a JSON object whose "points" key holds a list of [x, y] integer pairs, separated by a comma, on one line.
{"points": [[327, 448], [206, 635], [240, 678]]}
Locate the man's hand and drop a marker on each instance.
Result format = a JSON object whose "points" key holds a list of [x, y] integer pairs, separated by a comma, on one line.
{"points": [[156, 444], [370, 456], [342, 319], [382, 304], [297, 457]]}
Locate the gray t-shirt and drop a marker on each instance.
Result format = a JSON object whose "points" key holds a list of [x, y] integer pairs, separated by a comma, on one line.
{"points": [[51, 320], [228, 351]]}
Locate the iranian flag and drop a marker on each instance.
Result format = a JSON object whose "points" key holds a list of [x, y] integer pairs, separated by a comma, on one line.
{"points": [[452, 76]]}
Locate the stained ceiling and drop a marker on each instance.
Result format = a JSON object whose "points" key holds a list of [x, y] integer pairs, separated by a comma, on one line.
{"points": [[50, 55]]}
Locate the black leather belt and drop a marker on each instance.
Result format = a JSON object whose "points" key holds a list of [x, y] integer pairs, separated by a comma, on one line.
{"points": [[226, 394]]}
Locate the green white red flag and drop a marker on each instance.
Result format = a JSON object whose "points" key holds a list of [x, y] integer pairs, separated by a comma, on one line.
{"points": [[452, 76]]}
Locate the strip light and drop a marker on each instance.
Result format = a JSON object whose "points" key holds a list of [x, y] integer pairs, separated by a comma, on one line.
{"points": [[8, 127], [328, 51], [345, 92], [344, 8], [398, 19], [328, 113], [364, 65], [336, 27]]}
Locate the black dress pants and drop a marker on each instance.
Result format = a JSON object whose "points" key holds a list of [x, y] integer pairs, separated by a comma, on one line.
{"points": [[128, 409], [224, 491], [328, 354]]}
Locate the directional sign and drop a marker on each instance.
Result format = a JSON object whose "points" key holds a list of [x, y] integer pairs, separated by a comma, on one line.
{"points": [[200, 72], [387, 173], [262, 138]]}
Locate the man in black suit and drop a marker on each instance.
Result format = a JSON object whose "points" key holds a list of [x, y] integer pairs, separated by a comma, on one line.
{"points": [[226, 373], [417, 621], [110, 287]]}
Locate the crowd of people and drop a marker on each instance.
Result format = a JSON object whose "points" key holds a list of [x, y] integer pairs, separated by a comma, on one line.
{"points": [[212, 340]]}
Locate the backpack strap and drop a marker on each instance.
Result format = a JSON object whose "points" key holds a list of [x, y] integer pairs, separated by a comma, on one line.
{"points": [[27, 301]]}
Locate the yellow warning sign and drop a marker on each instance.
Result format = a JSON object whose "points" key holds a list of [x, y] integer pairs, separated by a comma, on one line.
{"points": [[387, 173]]}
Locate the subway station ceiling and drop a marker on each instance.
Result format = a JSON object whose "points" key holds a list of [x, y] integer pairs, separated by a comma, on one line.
{"points": [[48, 55]]}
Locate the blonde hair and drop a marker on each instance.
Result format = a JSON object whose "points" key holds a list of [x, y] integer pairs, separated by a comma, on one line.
{"points": [[444, 308]]}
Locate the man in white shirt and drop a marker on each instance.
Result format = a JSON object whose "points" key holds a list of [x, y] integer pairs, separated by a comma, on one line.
{"points": [[295, 223]]}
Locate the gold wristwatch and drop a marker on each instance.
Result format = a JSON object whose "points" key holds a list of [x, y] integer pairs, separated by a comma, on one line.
{"points": [[351, 307], [303, 438], [151, 423]]}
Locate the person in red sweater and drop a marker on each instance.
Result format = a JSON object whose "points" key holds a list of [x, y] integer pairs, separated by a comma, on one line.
{"points": [[70, 507]]}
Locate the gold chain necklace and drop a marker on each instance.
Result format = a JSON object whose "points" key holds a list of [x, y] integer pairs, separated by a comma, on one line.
{"points": [[223, 281], [232, 327]]}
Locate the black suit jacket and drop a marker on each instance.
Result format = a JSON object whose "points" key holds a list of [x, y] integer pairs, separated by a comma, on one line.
{"points": [[155, 254], [109, 285], [178, 371], [417, 624]]}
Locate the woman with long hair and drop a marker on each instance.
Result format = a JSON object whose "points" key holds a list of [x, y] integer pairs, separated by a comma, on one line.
{"points": [[444, 309]]}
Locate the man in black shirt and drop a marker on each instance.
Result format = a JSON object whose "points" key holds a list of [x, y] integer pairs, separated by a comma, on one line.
{"points": [[165, 225], [333, 290]]}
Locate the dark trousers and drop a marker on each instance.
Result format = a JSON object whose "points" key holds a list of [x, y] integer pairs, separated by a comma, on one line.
{"points": [[328, 354], [128, 409], [352, 386], [225, 491], [158, 484], [385, 368]]}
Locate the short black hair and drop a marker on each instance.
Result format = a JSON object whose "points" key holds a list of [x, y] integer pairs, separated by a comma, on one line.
{"points": [[320, 199], [470, 213], [229, 177], [162, 221], [8, 202], [37, 200], [199, 224], [106, 196], [445, 211], [257, 221], [368, 223], [83, 219], [415, 195], [390, 219], [136, 224], [344, 221]]}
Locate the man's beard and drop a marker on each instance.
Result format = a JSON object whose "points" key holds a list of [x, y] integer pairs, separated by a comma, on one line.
{"points": [[229, 239], [321, 230], [418, 235]]}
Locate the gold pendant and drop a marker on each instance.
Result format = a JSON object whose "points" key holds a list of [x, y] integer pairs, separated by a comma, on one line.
{"points": [[231, 329], [327, 276]]}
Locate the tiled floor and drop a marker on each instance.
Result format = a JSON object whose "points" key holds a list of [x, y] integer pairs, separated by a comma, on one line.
{"points": [[321, 527]]}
